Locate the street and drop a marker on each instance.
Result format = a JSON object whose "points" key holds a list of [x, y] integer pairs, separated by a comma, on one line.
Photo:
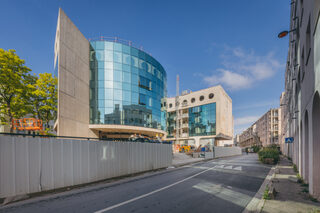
{"points": [[220, 185]]}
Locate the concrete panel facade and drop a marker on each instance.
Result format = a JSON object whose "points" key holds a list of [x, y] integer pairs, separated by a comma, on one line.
{"points": [[72, 61]]}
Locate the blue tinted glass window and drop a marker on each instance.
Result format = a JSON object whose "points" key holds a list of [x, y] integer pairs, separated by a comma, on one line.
{"points": [[125, 67], [126, 86], [126, 49], [134, 61], [99, 45], [108, 65], [117, 47], [108, 55], [100, 55], [135, 98], [117, 85], [126, 95], [100, 75], [109, 94], [126, 77], [117, 75], [108, 45], [117, 66], [117, 94], [126, 59], [108, 75], [108, 84], [134, 79], [117, 57]]}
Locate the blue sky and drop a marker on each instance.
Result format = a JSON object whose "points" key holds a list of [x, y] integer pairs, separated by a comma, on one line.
{"points": [[229, 42]]}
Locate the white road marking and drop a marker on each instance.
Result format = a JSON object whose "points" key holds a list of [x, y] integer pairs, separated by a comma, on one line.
{"points": [[228, 167], [239, 168], [150, 193]]}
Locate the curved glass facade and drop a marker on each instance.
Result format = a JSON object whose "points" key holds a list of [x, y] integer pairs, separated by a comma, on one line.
{"points": [[126, 86]]}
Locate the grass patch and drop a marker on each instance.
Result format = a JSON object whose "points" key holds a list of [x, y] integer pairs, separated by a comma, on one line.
{"points": [[305, 190], [266, 195], [305, 185], [313, 199], [295, 169], [300, 179]]}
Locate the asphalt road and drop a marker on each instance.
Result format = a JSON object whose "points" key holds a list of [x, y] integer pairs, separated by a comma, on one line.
{"points": [[221, 185]]}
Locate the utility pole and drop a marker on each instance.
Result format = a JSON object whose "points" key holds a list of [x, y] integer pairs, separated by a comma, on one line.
{"points": [[177, 110]]}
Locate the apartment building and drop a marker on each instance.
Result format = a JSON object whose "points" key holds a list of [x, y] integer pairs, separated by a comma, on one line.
{"points": [[301, 99], [200, 117], [264, 132]]}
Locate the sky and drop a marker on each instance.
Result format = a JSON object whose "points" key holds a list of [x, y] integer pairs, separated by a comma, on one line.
{"points": [[206, 42]]}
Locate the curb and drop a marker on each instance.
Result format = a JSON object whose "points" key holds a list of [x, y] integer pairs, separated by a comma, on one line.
{"points": [[257, 202]]}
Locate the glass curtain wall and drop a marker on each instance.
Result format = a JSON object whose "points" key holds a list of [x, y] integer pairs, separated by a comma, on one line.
{"points": [[202, 120], [126, 86]]}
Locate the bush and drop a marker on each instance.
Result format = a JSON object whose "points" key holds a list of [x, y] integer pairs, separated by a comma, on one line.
{"points": [[256, 148], [269, 155]]}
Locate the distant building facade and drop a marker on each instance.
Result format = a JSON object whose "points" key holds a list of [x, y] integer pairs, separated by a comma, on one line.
{"points": [[200, 117], [264, 132], [301, 99]]}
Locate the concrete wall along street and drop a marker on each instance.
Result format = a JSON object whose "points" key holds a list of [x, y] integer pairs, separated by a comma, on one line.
{"points": [[29, 165], [220, 151]]}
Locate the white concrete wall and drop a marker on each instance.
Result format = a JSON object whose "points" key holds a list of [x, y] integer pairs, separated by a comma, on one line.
{"points": [[220, 151], [29, 165]]}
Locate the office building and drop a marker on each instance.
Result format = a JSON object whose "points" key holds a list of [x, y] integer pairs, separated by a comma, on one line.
{"points": [[107, 88]]}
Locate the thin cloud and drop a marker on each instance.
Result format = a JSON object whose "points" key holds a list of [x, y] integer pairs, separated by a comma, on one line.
{"points": [[259, 104], [231, 79], [245, 120], [243, 68]]}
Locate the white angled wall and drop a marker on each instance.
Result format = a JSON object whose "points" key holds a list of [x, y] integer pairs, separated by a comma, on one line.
{"points": [[220, 151], [30, 165]]}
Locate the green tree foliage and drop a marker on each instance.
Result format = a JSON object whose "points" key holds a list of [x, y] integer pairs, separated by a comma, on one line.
{"points": [[14, 76], [44, 97]]}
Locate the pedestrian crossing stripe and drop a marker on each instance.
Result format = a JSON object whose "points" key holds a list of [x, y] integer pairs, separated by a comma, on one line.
{"points": [[239, 168]]}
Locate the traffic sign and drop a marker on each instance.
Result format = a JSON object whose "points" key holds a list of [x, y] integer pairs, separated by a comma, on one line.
{"points": [[289, 140]]}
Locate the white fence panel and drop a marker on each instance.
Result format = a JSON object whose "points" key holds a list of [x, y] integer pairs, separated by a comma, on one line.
{"points": [[29, 165]]}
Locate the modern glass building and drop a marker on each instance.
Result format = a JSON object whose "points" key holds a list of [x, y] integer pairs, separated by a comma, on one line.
{"points": [[202, 120], [126, 86], [107, 88]]}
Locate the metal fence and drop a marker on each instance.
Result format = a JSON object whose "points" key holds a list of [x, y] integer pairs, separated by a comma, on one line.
{"points": [[34, 164]]}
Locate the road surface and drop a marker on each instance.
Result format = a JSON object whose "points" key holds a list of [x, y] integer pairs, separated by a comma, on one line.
{"points": [[220, 185]]}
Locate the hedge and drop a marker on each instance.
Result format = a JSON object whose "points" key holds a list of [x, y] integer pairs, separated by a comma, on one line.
{"points": [[269, 155]]}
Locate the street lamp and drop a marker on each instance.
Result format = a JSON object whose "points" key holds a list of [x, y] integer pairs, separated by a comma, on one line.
{"points": [[285, 33]]}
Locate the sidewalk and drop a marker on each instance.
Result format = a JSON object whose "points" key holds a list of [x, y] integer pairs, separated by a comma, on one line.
{"points": [[180, 159], [291, 196]]}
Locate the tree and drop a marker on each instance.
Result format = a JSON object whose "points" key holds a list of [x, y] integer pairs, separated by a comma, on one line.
{"points": [[13, 86], [44, 97]]}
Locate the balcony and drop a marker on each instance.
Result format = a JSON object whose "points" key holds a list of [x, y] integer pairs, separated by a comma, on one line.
{"points": [[186, 115], [184, 135], [185, 125]]}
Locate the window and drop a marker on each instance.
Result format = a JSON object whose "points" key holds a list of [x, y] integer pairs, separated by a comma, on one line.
{"points": [[193, 100], [201, 98], [170, 105], [308, 41], [145, 83], [211, 95]]}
